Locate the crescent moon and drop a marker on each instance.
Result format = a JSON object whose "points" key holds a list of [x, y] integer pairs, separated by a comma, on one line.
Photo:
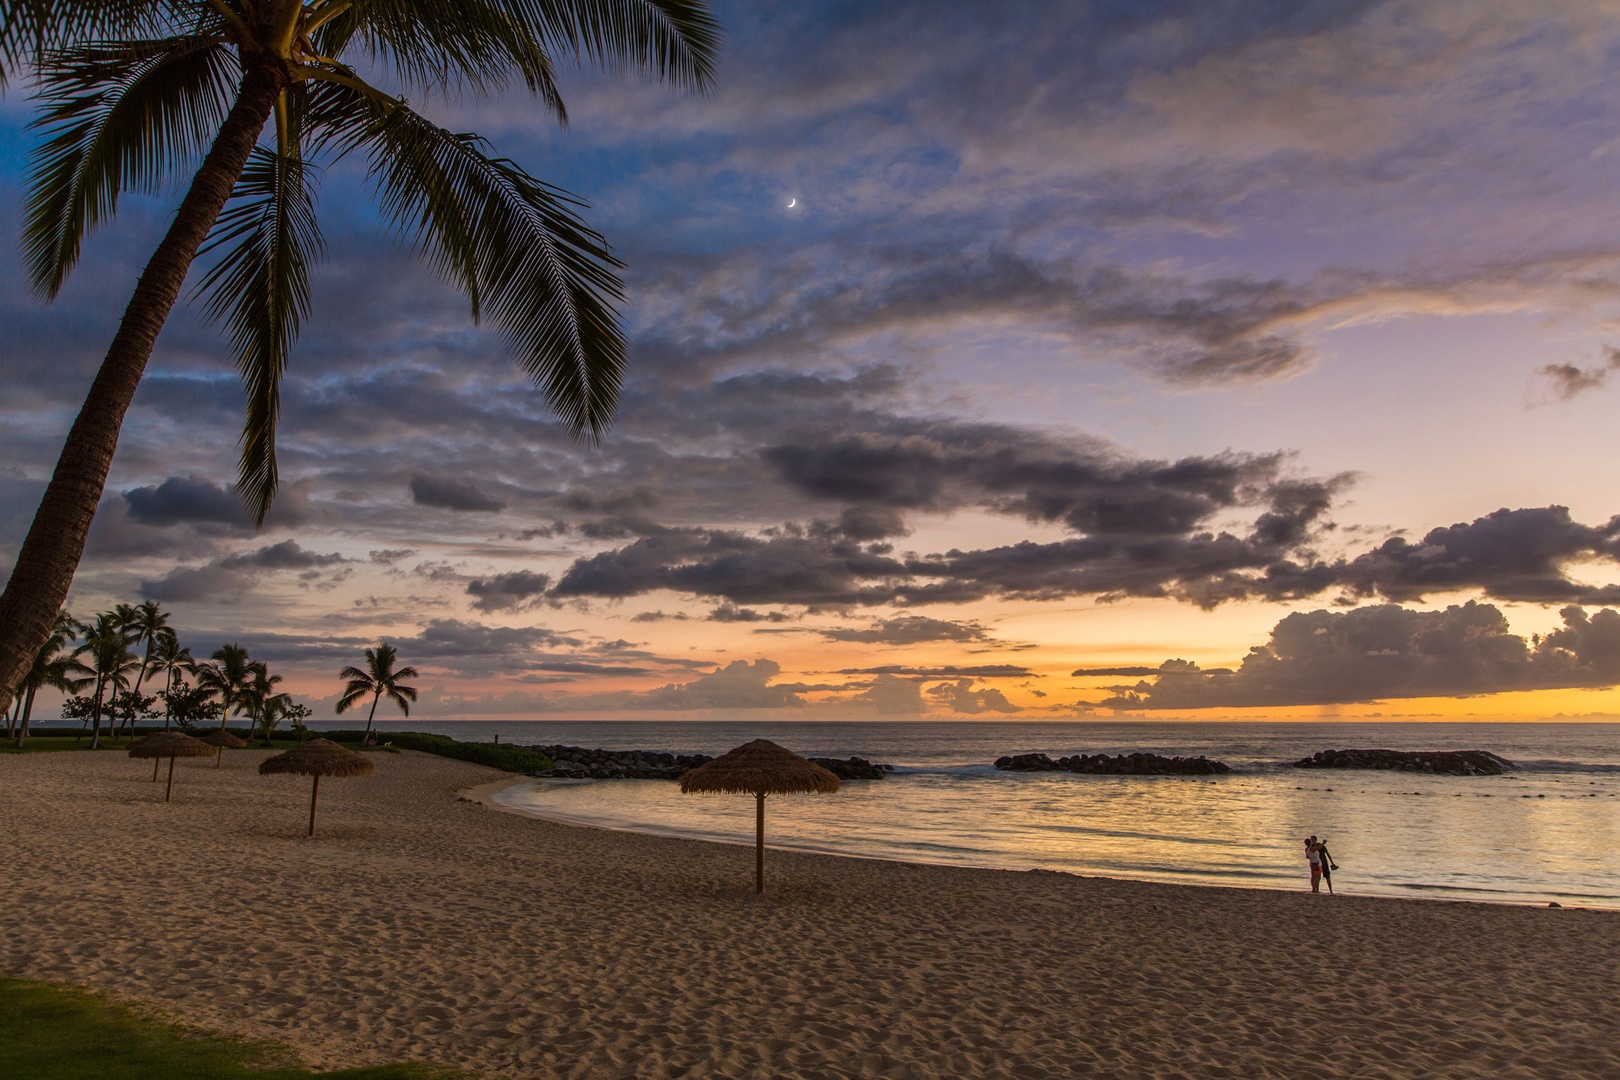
{"points": [[792, 203]]}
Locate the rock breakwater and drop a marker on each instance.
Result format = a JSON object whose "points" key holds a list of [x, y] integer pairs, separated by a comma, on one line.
{"points": [[1439, 762], [1138, 764], [578, 763]]}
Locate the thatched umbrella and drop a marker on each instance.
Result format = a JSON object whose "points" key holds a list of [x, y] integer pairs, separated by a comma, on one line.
{"points": [[168, 744], [222, 739], [317, 758], [761, 768]]}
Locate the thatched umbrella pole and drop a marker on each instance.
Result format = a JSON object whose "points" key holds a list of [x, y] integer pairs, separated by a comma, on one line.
{"points": [[759, 841], [167, 744], [759, 768], [317, 758], [220, 740]]}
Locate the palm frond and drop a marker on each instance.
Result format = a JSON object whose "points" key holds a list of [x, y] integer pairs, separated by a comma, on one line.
{"points": [[513, 244], [31, 28], [117, 117], [259, 289]]}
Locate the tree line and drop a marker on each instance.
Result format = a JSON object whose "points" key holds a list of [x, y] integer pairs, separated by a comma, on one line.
{"points": [[127, 665], [104, 666]]}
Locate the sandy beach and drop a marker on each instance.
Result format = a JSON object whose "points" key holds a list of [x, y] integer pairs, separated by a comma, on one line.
{"points": [[422, 925]]}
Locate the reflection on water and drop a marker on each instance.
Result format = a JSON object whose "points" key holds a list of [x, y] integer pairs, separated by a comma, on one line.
{"points": [[1550, 831], [1392, 834]]}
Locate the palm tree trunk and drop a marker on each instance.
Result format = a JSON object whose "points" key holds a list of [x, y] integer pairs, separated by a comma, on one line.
{"points": [[224, 709], [28, 710], [50, 554], [374, 699]]}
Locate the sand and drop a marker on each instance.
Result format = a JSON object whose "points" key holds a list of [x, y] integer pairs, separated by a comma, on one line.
{"points": [[419, 925]]}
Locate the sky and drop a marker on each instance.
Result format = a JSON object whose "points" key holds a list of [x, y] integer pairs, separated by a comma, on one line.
{"points": [[1175, 360]]}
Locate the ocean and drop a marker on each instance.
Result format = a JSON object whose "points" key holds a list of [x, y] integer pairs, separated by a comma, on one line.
{"points": [[1548, 831]]}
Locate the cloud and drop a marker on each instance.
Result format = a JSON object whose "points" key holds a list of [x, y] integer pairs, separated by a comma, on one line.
{"points": [[910, 630], [509, 591], [731, 613], [1516, 555], [193, 500], [738, 685], [1569, 380], [1387, 651], [227, 580], [892, 695], [961, 697], [947, 671], [450, 494]]}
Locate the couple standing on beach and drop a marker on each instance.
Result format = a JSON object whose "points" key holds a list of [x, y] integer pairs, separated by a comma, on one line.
{"points": [[1322, 864]]}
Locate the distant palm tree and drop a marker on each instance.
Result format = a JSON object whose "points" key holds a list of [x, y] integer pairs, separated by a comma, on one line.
{"points": [[173, 662], [51, 668], [260, 696], [147, 622], [377, 679], [231, 672], [136, 95], [111, 661]]}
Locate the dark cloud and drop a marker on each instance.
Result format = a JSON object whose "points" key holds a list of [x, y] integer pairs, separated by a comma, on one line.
{"points": [[1387, 651], [446, 493], [193, 500], [909, 630], [731, 613], [228, 579], [185, 500], [1569, 380], [1516, 555], [390, 556], [505, 592], [947, 671]]}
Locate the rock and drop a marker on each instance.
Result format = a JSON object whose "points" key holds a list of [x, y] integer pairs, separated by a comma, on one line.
{"points": [[1438, 762], [578, 763], [1138, 764], [856, 768]]}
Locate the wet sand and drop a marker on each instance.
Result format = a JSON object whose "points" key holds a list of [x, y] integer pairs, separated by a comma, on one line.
{"points": [[421, 925]]}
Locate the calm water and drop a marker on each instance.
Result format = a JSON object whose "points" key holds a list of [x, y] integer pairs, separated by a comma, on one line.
{"points": [[1549, 831]]}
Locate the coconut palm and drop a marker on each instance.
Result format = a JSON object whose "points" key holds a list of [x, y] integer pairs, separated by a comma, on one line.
{"points": [[147, 622], [260, 696], [173, 662], [110, 662], [53, 668], [378, 678], [137, 95], [231, 672]]}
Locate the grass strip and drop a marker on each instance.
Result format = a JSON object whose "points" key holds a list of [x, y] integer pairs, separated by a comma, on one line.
{"points": [[54, 1032], [517, 759]]}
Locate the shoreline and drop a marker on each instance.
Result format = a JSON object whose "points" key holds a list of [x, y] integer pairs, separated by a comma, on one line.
{"points": [[420, 925], [487, 795]]}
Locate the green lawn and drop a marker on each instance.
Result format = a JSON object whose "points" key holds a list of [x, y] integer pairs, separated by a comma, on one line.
{"points": [[52, 1032], [44, 744]]}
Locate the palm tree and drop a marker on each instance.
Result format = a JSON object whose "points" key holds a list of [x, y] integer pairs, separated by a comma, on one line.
{"points": [[229, 675], [51, 667], [110, 664], [259, 695], [173, 662], [147, 622], [271, 711], [134, 94], [378, 678]]}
